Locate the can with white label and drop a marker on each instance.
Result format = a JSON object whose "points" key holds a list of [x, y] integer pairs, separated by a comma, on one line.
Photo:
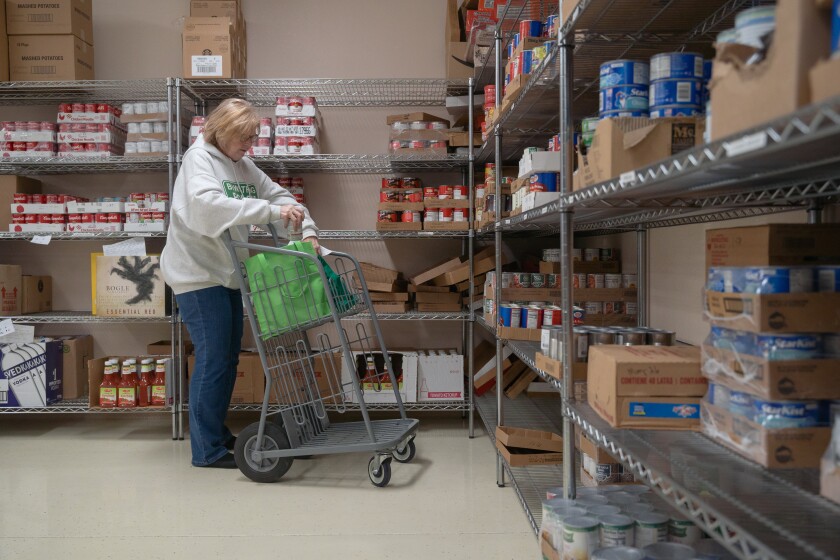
{"points": [[617, 530], [580, 537]]}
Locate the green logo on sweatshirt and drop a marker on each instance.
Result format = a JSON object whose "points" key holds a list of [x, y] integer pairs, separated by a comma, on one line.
{"points": [[239, 190]]}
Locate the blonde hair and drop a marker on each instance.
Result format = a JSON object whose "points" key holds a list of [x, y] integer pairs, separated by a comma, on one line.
{"points": [[233, 118]]}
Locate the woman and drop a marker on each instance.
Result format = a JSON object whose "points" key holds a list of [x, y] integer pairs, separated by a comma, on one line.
{"points": [[217, 189]]}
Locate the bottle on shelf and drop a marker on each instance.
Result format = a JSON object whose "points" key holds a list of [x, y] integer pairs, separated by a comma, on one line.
{"points": [[127, 389], [144, 385], [108, 387], [159, 384]]}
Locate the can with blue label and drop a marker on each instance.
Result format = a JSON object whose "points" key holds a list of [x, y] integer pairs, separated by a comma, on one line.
{"points": [[622, 114], [676, 91], [624, 98], [530, 28], [740, 342], [516, 39], [510, 315], [666, 66], [835, 28], [778, 280], [779, 347], [753, 24], [729, 280], [665, 111], [543, 182], [510, 48], [624, 72], [741, 403], [548, 26], [708, 64], [828, 278], [786, 414], [719, 395]]}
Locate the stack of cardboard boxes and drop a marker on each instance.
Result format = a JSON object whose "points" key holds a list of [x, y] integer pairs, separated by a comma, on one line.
{"points": [[48, 41], [214, 40]]}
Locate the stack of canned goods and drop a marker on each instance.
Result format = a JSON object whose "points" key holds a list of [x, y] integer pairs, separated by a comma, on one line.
{"points": [[489, 103], [145, 108], [586, 336], [446, 192], [676, 84], [294, 185], [587, 255], [18, 137], [624, 89]]}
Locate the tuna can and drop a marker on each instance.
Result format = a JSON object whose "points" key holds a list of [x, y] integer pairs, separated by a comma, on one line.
{"points": [[580, 537], [594, 280], [661, 337], [445, 192], [666, 66], [624, 98], [740, 403], [651, 528], [531, 317], [666, 111], [578, 280], [617, 530], [521, 280], [387, 183], [682, 530], [628, 280], [668, 551], [510, 315], [828, 278], [543, 182], [537, 280], [552, 315], [431, 215], [676, 91], [612, 307], [788, 346], [460, 214], [778, 280], [624, 72], [410, 216], [447, 214], [754, 23], [618, 553], [552, 281], [612, 281], [623, 114], [410, 183], [385, 216]]}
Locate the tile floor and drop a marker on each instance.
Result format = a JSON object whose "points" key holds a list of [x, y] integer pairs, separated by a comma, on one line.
{"points": [[102, 486]]}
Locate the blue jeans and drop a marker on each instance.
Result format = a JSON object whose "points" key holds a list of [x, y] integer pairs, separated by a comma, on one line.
{"points": [[214, 320]]}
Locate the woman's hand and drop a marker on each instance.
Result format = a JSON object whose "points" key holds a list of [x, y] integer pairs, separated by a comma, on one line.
{"points": [[292, 214], [315, 244]]}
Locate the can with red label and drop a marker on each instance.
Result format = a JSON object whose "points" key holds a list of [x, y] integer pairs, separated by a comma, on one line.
{"points": [[90, 107], [297, 192], [460, 192], [38, 198], [398, 144], [74, 218], [91, 127], [163, 197], [48, 126], [445, 192], [20, 198], [78, 108], [45, 147], [52, 198], [447, 214], [409, 216], [59, 218], [101, 218], [19, 146], [33, 126], [389, 195], [31, 146], [105, 148], [137, 197], [532, 317], [294, 145], [145, 217], [103, 108], [430, 192], [18, 218], [31, 218], [159, 217], [76, 147], [431, 215], [552, 315], [413, 195], [438, 145], [410, 183], [297, 182], [391, 182], [418, 144], [65, 107], [385, 216], [9, 126], [460, 214], [44, 218]]}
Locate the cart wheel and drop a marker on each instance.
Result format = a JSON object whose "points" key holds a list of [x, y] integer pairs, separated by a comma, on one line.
{"points": [[406, 454], [382, 476], [267, 470]]}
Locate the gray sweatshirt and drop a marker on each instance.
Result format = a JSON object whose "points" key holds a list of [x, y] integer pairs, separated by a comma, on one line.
{"points": [[213, 193]]}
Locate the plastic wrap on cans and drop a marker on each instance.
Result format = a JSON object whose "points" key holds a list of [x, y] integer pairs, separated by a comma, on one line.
{"points": [[624, 98], [778, 347], [616, 530], [624, 72], [682, 530], [543, 182], [676, 91], [667, 111], [651, 528], [665, 66], [740, 403], [580, 537], [754, 24], [761, 280], [621, 114]]}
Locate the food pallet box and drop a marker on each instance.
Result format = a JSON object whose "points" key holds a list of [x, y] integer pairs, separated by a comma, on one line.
{"points": [[554, 368], [440, 376], [773, 245], [522, 447]]}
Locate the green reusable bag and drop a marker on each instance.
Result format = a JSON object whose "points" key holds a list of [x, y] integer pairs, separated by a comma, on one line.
{"points": [[287, 292], [344, 300]]}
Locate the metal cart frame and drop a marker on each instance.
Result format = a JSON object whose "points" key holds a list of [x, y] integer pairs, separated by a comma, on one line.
{"points": [[286, 311]]}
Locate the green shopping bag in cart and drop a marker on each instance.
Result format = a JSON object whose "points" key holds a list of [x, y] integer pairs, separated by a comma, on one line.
{"points": [[287, 291], [344, 300]]}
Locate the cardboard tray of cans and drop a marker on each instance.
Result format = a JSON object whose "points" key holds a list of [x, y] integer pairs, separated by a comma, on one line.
{"points": [[145, 117], [138, 206], [446, 203], [446, 226], [94, 207], [400, 206], [36, 228]]}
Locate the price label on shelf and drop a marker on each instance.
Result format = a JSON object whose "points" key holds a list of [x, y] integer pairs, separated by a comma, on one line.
{"points": [[746, 144], [134, 247], [627, 178], [41, 239]]}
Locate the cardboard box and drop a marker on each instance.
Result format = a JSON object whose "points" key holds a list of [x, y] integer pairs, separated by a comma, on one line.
{"points": [[517, 454], [208, 44], [10, 290], [440, 376], [390, 307], [788, 448], [57, 17], [646, 386], [437, 297], [830, 477], [825, 80], [386, 297], [379, 279], [627, 144], [76, 351], [431, 273], [249, 387], [513, 333], [143, 294], [457, 139], [455, 53], [403, 361], [582, 267], [554, 368], [777, 380], [49, 58], [484, 378], [773, 245], [31, 375], [520, 384], [4, 58], [36, 294], [774, 313], [743, 96]]}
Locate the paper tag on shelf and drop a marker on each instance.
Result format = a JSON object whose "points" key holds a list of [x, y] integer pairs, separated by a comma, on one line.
{"points": [[41, 239], [209, 66], [746, 144], [134, 247], [627, 178], [6, 327]]}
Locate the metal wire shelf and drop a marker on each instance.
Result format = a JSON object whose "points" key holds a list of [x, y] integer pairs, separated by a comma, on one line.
{"points": [[76, 406], [358, 164], [526, 351], [80, 317], [103, 91], [754, 512], [64, 165], [443, 406], [75, 236], [412, 316], [333, 92], [370, 235]]}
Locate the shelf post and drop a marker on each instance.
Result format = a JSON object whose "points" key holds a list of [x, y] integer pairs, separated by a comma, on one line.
{"points": [[815, 213], [470, 346], [174, 349], [497, 187], [566, 74], [641, 276]]}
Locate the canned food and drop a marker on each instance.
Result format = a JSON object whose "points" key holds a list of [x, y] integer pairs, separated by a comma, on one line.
{"points": [[628, 280], [447, 214], [667, 111], [460, 214], [623, 98], [579, 281], [18, 218], [661, 337], [665, 66], [118, 218], [624, 72], [78, 108], [612, 308], [537, 280], [594, 280], [59, 218], [101, 218], [630, 308], [159, 216], [418, 125], [87, 218], [412, 195], [163, 197], [445, 192], [18, 146], [552, 281], [612, 281], [543, 182], [460, 192], [133, 217], [385, 216], [31, 218], [530, 28], [410, 216], [387, 182], [532, 317], [430, 192], [631, 338], [595, 308], [552, 315], [431, 215], [391, 196], [521, 280], [591, 255], [685, 91], [20, 198], [622, 114], [410, 183], [74, 218], [510, 315]]}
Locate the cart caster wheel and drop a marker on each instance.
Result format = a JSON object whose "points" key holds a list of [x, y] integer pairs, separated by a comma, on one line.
{"points": [[406, 454], [267, 470], [382, 476]]}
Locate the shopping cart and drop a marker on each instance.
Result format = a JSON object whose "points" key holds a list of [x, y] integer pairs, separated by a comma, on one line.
{"points": [[305, 382]]}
